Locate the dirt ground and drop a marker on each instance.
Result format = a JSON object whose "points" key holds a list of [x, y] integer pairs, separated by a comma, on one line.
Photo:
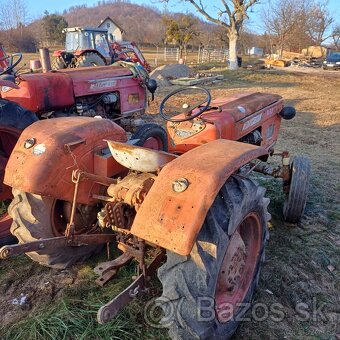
{"points": [[298, 294]]}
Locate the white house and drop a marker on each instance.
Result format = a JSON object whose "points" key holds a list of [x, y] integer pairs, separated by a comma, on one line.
{"points": [[115, 31], [255, 51]]}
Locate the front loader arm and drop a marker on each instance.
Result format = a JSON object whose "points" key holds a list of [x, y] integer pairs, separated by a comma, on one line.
{"points": [[176, 205]]}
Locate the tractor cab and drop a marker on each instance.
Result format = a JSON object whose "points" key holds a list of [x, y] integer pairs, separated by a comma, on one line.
{"points": [[79, 40]]}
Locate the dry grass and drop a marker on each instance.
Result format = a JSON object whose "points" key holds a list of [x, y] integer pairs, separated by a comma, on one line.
{"points": [[302, 262]]}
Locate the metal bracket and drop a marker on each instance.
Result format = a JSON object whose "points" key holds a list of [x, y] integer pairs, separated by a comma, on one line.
{"points": [[108, 269], [113, 307]]}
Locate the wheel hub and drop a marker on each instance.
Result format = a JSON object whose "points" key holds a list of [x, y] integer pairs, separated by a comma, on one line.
{"points": [[232, 265], [238, 268]]}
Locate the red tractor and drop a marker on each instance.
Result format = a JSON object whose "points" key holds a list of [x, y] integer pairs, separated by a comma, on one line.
{"points": [[90, 46], [129, 51], [112, 92], [79, 183], [3, 59]]}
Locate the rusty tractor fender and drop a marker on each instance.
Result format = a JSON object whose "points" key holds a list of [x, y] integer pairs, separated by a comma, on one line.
{"points": [[175, 207], [49, 150]]}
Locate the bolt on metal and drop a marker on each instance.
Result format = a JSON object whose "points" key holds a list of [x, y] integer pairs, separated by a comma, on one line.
{"points": [[180, 184]]}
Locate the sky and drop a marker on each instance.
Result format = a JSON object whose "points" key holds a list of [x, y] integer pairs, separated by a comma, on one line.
{"points": [[36, 8]]}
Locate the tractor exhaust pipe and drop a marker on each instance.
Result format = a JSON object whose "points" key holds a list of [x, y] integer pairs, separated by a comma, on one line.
{"points": [[45, 59]]}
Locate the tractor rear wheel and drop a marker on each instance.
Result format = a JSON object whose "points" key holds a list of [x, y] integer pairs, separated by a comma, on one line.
{"points": [[58, 63], [206, 293], [13, 119], [90, 59], [37, 217], [296, 199], [151, 136]]}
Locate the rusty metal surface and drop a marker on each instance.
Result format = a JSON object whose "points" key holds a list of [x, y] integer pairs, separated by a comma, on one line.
{"points": [[103, 267], [105, 278], [18, 249], [106, 270], [46, 167], [42, 92], [231, 118], [268, 170], [132, 189], [286, 171], [105, 165], [172, 219], [113, 307], [54, 242], [96, 178], [138, 158], [89, 80], [119, 215]]}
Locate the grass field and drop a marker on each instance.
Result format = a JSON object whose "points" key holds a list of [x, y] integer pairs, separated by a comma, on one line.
{"points": [[301, 271]]}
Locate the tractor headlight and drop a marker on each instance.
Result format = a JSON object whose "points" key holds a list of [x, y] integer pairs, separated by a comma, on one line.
{"points": [[325, 62]]}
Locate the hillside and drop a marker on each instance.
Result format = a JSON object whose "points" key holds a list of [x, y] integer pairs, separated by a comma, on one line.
{"points": [[141, 23]]}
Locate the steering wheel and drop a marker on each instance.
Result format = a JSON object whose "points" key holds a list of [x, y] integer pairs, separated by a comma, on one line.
{"points": [[11, 65], [186, 109]]}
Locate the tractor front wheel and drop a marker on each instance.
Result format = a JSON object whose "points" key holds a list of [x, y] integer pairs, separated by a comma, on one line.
{"points": [[151, 136], [296, 198], [206, 293], [37, 217], [90, 59]]}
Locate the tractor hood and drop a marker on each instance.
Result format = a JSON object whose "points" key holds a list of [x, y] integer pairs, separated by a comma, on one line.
{"points": [[44, 92], [232, 118], [41, 92], [91, 80], [242, 105]]}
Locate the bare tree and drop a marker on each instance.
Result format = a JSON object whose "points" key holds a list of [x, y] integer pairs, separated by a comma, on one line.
{"points": [[318, 22], [280, 20], [13, 14], [336, 36], [181, 29], [296, 24], [231, 15]]}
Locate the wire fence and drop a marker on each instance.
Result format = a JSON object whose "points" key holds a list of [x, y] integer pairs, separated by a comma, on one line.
{"points": [[168, 55]]}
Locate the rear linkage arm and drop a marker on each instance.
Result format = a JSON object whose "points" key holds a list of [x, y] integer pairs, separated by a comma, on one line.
{"points": [[70, 238], [61, 241], [107, 269]]}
